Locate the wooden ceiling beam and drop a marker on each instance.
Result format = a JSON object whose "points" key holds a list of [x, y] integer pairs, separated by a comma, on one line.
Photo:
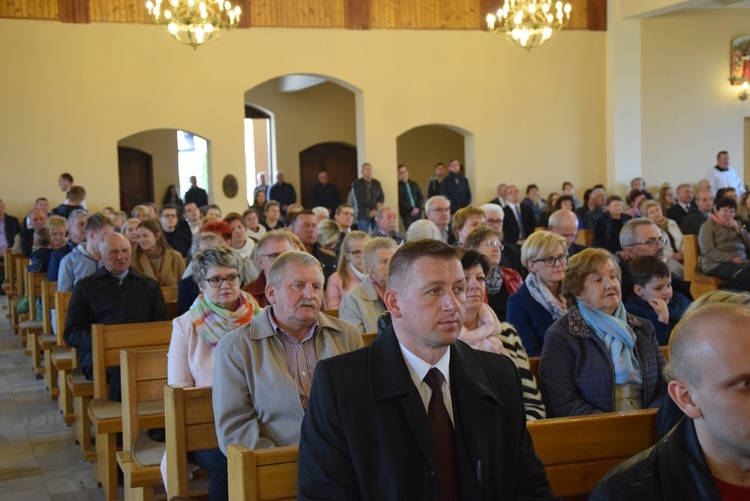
{"points": [[74, 11], [358, 14]]}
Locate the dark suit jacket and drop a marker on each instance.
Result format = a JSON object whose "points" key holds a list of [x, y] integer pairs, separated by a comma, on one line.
{"points": [[677, 213], [12, 228], [325, 196], [510, 224], [365, 434], [404, 206], [691, 224], [456, 189]]}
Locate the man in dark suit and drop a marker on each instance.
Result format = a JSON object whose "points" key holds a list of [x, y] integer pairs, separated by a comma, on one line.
{"points": [[691, 224], [519, 221], [684, 205], [417, 415], [410, 198], [9, 228], [325, 194], [565, 223], [24, 243], [196, 195], [500, 198], [455, 187]]}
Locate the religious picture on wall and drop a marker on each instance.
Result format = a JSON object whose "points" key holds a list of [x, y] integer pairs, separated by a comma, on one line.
{"points": [[740, 63]]}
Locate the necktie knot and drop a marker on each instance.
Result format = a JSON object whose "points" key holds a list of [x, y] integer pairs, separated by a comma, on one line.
{"points": [[434, 380]]}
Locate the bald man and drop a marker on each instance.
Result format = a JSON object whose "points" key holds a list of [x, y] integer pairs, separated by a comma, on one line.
{"points": [[707, 454], [565, 223], [115, 294]]}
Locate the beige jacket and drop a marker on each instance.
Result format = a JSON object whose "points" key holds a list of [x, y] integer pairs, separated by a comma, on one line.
{"points": [[170, 272], [362, 307]]}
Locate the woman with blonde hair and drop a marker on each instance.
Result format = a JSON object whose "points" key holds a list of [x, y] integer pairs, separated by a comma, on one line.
{"points": [[154, 257], [598, 357], [130, 231], [673, 254], [140, 212], [351, 269], [535, 306], [58, 227]]}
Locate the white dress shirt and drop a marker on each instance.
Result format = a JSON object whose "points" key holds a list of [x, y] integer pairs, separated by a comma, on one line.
{"points": [[418, 369]]}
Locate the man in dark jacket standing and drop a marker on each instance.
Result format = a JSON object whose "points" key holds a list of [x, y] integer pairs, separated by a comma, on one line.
{"points": [[456, 187], [325, 194], [282, 192], [115, 294], [707, 454], [368, 198], [196, 195], [410, 198]]}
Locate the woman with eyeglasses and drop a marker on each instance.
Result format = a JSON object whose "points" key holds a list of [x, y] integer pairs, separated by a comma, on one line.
{"points": [[350, 271], [598, 357], [723, 242], [535, 306], [501, 282], [220, 308]]}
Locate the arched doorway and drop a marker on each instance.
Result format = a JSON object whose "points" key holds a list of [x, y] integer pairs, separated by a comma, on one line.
{"points": [[339, 160], [422, 147]]}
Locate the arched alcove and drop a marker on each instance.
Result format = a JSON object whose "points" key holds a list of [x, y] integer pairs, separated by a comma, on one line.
{"points": [[421, 148], [174, 155], [339, 160], [305, 110]]}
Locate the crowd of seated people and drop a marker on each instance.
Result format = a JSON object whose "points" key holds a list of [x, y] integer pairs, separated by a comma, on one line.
{"points": [[595, 316]]}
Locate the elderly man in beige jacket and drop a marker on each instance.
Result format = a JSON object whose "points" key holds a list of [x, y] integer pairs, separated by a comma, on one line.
{"points": [[263, 371]]}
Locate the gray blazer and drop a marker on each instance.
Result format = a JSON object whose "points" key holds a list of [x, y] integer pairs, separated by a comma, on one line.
{"points": [[362, 307], [255, 399]]}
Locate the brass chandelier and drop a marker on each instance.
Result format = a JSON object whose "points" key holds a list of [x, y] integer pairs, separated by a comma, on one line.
{"points": [[529, 23], [194, 22]]}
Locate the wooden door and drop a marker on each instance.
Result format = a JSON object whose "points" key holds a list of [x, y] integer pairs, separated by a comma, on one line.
{"points": [[136, 177], [337, 159]]}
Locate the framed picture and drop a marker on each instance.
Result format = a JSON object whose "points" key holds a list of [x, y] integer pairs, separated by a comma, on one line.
{"points": [[739, 71]]}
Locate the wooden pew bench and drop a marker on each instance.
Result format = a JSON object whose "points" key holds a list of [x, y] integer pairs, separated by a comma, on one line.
{"points": [[576, 452], [699, 283]]}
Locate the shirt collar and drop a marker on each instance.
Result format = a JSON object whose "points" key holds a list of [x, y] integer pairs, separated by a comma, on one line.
{"points": [[418, 368], [277, 328]]}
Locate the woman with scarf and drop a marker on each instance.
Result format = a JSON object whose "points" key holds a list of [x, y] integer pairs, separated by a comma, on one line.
{"points": [[535, 306], [598, 357], [221, 308], [483, 331], [501, 282], [351, 269], [154, 257], [723, 242]]}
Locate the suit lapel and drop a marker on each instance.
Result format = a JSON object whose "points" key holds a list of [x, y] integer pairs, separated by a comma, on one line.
{"points": [[390, 378]]}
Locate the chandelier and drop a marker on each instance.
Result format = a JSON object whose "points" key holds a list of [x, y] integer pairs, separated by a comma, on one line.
{"points": [[194, 22], [529, 23]]}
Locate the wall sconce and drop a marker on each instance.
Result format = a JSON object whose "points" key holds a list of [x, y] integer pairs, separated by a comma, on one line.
{"points": [[743, 94]]}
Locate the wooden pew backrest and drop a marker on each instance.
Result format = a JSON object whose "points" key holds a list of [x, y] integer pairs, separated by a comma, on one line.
{"points": [[265, 474]]}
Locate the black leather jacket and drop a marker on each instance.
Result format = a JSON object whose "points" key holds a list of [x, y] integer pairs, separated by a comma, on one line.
{"points": [[673, 469]]}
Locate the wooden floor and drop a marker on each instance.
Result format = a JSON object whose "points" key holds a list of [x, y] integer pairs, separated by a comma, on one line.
{"points": [[39, 460]]}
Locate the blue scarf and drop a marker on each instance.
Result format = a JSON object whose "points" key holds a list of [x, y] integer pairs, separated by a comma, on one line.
{"points": [[618, 339]]}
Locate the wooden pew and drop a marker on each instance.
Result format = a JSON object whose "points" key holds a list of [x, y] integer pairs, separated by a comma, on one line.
{"points": [[144, 375], [189, 420], [333, 313], [19, 267], [47, 339], [9, 276], [31, 329], [369, 337], [170, 300], [534, 367], [585, 237], [576, 452], [106, 415], [699, 283], [262, 475]]}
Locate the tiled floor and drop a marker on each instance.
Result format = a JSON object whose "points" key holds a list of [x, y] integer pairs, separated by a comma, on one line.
{"points": [[39, 460]]}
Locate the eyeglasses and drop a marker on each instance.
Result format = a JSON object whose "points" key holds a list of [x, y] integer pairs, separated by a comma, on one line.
{"points": [[169, 215], [494, 221], [651, 242], [356, 253], [551, 262], [443, 210], [215, 282], [271, 256], [493, 243]]}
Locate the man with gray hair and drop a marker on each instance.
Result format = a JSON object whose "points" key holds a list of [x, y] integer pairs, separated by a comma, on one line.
{"points": [[597, 202], [84, 259], [565, 223], [24, 240], [386, 225], [114, 294], [271, 246], [641, 237], [707, 454], [364, 303], [438, 210], [263, 371]]}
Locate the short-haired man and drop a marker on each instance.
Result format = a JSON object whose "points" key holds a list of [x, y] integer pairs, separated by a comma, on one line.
{"points": [[386, 225], [325, 194], [494, 216], [565, 223], [65, 182], [519, 221], [433, 185], [196, 195], [438, 210], [76, 236], [271, 246], [345, 217], [282, 192], [434, 417], [410, 198], [114, 294], [24, 240], [193, 218], [76, 197], [455, 187], [368, 198], [535, 202], [704, 201], [569, 190], [707, 454], [683, 205], [500, 198], [84, 259], [641, 237], [264, 370], [272, 213], [597, 203], [262, 185], [306, 228], [213, 210], [724, 176], [364, 303], [177, 233], [9, 228]]}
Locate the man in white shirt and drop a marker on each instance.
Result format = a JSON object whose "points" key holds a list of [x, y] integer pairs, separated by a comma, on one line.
{"points": [[724, 176], [438, 210]]}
